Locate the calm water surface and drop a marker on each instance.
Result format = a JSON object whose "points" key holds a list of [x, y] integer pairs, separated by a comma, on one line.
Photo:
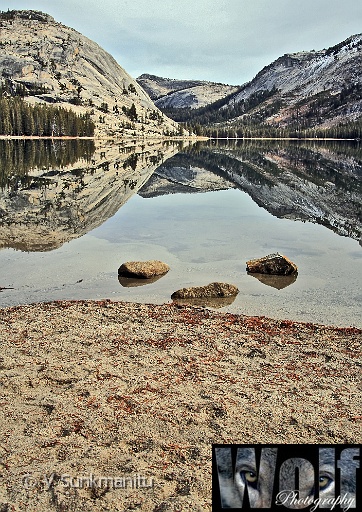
{"points": [[204, 237]]}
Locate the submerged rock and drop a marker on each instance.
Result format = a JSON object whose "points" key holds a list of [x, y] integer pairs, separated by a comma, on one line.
{"points": [[212, 290], [275, 264], [143, 269]]}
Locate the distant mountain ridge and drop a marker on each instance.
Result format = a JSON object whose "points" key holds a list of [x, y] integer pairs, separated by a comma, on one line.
{"points": [[294, 95], [300, 77], [298, 91], [55, 64], [173, 93]]}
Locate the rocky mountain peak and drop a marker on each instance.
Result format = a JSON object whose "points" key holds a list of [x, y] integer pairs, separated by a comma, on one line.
{"points": [[306, 93], [26, 15], [57, 64], [311, 71]]}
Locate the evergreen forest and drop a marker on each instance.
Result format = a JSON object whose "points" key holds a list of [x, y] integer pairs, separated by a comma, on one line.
{"points": [[18, 118]]}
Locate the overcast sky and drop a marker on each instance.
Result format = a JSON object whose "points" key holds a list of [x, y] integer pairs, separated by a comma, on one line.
{"points": [[225, 41]]}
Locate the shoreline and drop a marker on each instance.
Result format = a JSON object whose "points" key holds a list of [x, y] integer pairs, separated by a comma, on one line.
{"points": [[101, 138], [190, 138], [181, 303], [117, 388]]}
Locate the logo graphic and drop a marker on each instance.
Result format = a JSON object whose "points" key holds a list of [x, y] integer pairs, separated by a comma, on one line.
{"points": [[286, 477]]}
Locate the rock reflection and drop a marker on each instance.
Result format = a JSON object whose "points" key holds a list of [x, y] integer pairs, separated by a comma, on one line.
{"points": [[278, 282], [130, 282]]}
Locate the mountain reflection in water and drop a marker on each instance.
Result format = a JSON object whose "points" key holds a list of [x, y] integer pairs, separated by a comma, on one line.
{"points": [[314, 182], [72, 211], [55, 191]]}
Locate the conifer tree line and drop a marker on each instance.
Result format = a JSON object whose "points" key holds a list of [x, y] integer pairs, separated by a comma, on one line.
{"points": [[349, 130], [17, 118]]}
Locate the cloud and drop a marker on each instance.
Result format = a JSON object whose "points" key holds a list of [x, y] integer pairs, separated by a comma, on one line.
{"points": [[221, 40]]}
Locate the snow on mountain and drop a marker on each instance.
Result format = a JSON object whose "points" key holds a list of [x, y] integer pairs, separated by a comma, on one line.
{"points": [[308, 73]]}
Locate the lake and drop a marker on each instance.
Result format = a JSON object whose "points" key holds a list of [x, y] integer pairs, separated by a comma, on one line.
{"points": [[72, 212]]}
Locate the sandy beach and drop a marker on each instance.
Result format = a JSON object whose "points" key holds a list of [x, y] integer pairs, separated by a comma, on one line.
{"points": [[136, 394]]}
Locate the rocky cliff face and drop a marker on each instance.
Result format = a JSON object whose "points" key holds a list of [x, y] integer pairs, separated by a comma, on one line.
{"points": [[170, 93], [309, 73], [306, 83], [56, 64]]}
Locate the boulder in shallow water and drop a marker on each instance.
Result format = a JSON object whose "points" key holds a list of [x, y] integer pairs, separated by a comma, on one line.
{"points": [[275, 264], [143, 269], [212, 290]]}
